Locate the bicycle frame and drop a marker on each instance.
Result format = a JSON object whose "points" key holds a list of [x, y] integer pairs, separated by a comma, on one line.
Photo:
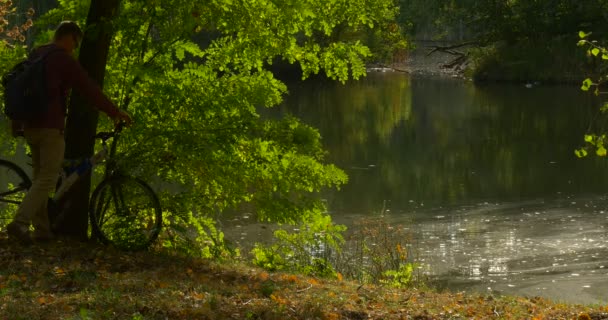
{"points": [[88, 164], [85, 167]]}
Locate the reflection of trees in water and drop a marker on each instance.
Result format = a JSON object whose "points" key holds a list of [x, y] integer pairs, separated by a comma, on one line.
{"points": [[447, 142], [354, 115]]}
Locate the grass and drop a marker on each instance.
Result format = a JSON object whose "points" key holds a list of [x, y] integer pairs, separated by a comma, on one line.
{"points": [[67, 280]]}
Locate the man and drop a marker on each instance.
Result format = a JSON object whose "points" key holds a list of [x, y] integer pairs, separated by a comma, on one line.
{"points": [[45, 133]]}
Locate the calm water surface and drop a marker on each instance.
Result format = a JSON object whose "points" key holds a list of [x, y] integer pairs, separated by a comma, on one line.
{"points": [[485, 178]]}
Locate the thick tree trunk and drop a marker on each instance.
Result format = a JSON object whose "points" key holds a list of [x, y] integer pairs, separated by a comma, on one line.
{"points": [[82, 117]]}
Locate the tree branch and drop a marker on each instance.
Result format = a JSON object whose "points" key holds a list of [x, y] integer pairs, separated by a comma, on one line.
{"points": [[450, 49]]}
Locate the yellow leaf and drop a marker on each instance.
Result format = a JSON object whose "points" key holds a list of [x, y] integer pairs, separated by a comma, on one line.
{"points": [[331, 316], [42, 300], [163, 285], [340, 277], [198, 296], [278, 300], [58, 271], [584, 316], [263, 276], [313, 281]]}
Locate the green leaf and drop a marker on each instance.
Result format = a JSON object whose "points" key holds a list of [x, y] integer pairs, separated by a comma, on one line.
{"points": [[588, 138], [581, 153], [601, 151], [595, 51], [583, 35], [587, 84]]}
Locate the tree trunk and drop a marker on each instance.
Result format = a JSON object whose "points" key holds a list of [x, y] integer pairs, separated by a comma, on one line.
{"points": [[82, 117]]}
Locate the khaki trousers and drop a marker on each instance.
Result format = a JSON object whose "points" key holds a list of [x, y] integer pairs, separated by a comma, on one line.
{"points": [[47, 146]]}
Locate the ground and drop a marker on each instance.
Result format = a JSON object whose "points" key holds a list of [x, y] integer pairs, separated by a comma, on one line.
{"points": [[421, 62], [67, 280]]}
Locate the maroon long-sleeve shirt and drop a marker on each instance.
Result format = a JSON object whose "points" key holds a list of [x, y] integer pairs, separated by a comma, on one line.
{"points": [[63, 73]]}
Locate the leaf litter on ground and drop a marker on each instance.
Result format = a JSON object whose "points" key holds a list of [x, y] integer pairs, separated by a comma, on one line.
{"points": [[75, 280]]}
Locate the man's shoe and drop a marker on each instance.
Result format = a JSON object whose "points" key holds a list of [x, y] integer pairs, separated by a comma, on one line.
{"points": [[19, 232]]}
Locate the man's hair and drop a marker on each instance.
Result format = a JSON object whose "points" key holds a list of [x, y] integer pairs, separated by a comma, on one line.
{"points": [[68, 28]]}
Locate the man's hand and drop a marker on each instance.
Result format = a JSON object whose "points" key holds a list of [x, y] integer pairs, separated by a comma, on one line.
{"points": [[123, 117]]}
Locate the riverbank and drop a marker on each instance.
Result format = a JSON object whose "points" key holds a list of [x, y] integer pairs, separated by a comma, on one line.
{"points": [[420, 62], [84, 281], [558, 62]]}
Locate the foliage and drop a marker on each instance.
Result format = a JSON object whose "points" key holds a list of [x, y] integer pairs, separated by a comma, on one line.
{"points": [[12, 50], [11, 31], [306, 251], [12, 34], [518, 40], [193, 74], [400, 277], [528, 62], [503, 20], [595, 142], [377, 253], [373, 253]]}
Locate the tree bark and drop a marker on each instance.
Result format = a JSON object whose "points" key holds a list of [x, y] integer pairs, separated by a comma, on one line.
{"points": [[82, 118]]}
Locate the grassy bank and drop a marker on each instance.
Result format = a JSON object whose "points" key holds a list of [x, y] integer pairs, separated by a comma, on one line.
{"points": [[83, 281], [550, 62]]}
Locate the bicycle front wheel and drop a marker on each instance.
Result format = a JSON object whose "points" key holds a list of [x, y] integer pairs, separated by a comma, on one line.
{"points": [[126, 213], [14, 184]]}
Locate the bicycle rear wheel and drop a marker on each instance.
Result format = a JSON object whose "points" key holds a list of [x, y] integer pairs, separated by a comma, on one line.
{"points": [[14, 184], [126, 213]]}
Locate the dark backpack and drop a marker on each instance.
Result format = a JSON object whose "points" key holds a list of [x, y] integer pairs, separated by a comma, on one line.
{"points": [[26, 90]]}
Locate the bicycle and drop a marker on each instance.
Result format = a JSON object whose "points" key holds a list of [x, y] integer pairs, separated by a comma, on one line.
{"points": [[124, 211]]}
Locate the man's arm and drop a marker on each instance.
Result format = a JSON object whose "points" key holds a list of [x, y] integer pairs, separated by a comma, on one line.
{"points": [[78, 79]]}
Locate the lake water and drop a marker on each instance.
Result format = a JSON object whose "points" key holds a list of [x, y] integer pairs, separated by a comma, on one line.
{"points": [[485, 178]]}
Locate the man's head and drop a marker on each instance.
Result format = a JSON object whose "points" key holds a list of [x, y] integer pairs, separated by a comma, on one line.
{"points": [[68, 35]]}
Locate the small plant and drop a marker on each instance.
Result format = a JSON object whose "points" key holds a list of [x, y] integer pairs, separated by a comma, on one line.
{"points": [[594, 142], [399, 278], [269, 257], [378, 253], [307, 250], [374, 252]]}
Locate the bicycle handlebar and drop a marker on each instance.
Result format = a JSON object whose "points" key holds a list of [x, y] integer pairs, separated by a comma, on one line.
{"points": [[105, 136]]}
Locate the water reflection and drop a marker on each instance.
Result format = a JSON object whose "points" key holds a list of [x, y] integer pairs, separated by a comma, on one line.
{"points": [[486, 178], [442, 142], [555, 248]]}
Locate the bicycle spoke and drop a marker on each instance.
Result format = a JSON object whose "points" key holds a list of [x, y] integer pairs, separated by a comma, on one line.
{"points": [[103, 209], [126, 213], [14, 184]]}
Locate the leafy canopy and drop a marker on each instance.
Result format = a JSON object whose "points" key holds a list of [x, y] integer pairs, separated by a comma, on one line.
{"points": [[194, 75]]}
